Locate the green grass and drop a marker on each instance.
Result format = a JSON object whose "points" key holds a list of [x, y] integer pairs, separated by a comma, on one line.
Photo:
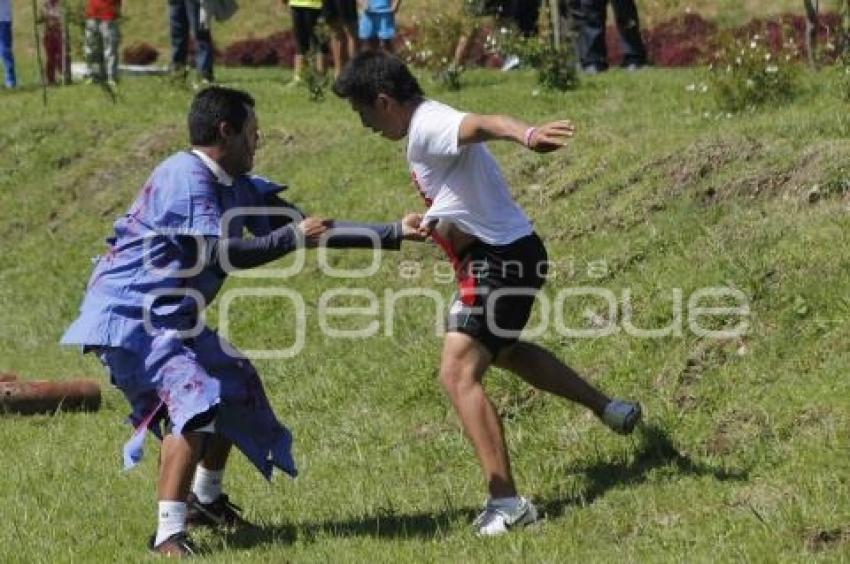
{"points": [[744, 456]]}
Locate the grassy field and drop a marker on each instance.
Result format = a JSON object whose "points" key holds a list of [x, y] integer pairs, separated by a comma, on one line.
{"points": [[744, 456]]}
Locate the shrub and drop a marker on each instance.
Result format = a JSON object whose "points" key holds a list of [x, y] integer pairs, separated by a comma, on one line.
{"points": [[432, 41], [677, 42], [275, 49], [435, 42], [556, 66], [747, 75], [140, 54]]}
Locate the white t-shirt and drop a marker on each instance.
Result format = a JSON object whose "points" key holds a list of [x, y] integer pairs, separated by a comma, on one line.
{"points": [[461, 184], [5, 10]]}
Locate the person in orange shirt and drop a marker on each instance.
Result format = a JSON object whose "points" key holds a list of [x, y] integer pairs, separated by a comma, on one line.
{"points": [[103, 39]]}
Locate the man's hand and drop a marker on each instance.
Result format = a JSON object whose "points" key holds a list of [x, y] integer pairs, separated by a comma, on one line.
{"points": [[312, 228], [550, 136], [412, 229]]}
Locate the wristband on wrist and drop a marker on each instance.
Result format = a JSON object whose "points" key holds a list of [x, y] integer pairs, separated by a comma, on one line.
{"points": [[529, 133]]}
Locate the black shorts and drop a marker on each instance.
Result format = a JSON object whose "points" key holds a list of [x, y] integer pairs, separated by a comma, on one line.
{"points": [[506, 280], [344, 11], [304, 21]]}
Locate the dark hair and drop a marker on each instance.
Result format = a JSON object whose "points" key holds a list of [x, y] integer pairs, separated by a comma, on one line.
{"points": [[214, 105], [373, 72]]}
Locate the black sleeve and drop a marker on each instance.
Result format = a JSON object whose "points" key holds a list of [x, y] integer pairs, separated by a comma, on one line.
{"points": [[240, 253], [353, 235], [249, 253]]}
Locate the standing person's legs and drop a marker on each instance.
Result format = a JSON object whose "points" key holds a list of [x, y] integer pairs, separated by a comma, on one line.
{"points": [[53, 52], [202, 32], [592, 50], [367, 31], [9, 79], [94, 50], [341, 16], [336, 46], [386, 32], [525, 14], [628, 25], [302, 40], [111, 34], [178, 20], [304, 21]]}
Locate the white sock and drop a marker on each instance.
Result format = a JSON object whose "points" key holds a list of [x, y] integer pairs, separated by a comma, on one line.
{"points": [[207, 484], [172, 519]]}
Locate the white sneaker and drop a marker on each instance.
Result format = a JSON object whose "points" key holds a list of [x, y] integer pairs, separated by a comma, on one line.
{"points": [[502, 514], [622, 416], [510, 63]]}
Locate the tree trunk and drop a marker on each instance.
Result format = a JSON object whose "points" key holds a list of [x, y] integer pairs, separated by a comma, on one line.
{"points": [[811, 7]]}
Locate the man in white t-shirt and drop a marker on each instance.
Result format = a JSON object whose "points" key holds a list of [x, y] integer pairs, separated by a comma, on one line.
{"points": [[9, 80], [499, 260]]}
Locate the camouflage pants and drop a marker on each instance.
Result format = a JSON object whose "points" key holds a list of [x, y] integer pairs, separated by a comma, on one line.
{"points": [[101, 49]]}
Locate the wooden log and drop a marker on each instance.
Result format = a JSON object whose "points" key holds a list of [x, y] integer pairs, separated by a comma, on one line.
{"points": [[27, 397]]}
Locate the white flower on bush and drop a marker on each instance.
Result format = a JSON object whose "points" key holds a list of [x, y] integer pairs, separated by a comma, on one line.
{"points": [[771, 69]]}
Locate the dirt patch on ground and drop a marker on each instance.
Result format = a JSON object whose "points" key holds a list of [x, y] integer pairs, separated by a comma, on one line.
{"points": [[705, 355], [818, 540], [706, 158], [814, 175], [702, 170], [738, 427]]}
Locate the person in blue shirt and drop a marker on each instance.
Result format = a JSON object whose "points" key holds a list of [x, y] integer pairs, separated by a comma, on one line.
{"points": [[142, 311], [377, 24]]}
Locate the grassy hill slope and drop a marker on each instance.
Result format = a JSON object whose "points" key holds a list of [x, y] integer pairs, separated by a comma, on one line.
{"points": [[744, 456]]}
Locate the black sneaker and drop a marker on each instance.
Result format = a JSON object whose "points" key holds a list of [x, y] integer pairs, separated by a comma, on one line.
{"points": [[177, 545], [219, 513]]}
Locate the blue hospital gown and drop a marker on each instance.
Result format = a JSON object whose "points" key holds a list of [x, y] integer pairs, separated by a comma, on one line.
{"points": [[142, 298]]}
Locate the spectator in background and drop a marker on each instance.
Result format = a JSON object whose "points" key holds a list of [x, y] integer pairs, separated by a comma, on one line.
{"points": [[185, 19], [51, 17], [590, 16], [474, 11], [525, 13], [305, 17], [103, 39], [377, 24], [341, 16], [8, 56]]}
